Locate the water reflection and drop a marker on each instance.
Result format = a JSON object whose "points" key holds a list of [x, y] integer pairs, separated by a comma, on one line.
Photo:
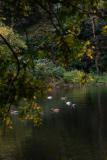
{"points": [[79, 134]]}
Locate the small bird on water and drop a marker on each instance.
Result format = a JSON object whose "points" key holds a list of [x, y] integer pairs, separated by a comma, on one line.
{"points": [[68, 103], [14, 112], [73, 105], [49, 97], [55, 110], [63, 98]]}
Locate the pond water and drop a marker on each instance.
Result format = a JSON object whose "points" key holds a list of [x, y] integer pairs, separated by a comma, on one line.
{"points": [[78, 133]]}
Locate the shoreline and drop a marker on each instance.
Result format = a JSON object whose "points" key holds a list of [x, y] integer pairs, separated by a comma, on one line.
{"points": [[71, 85]]}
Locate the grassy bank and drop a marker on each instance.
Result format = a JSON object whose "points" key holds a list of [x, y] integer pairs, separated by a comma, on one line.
{"points": [[55, 75], [76, 78], [100, 79]]}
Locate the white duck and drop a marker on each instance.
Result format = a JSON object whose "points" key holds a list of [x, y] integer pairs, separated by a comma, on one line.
{"points": [[49, 97], [73, 105], [14, 112], [68, 103]]}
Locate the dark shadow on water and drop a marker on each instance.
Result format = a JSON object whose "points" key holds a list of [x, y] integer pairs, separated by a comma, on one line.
{"points": [[79, 134]]}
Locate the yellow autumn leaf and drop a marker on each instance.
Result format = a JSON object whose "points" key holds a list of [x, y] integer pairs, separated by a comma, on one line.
{"points": [[104, 30], [5, 31], [89, 53]]}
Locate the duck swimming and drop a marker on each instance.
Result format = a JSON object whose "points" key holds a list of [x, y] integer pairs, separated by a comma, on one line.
{"points": [[63, 98], [55, 110], [72, 105], [68, 103], [49, 97], [14, 112]]}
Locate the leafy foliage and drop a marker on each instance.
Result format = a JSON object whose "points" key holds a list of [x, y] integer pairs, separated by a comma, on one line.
{"points": [[29, 63], [13, 38], [45, 69], [77, 77], [30, 110], [104, 30]]}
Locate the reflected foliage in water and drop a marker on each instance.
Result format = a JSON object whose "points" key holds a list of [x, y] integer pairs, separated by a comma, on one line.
{"points": [[26, 109], [79, 134]]}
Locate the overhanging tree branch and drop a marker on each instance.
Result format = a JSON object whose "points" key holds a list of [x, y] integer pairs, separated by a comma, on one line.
{"points": [[18, 70], [14, 54]]}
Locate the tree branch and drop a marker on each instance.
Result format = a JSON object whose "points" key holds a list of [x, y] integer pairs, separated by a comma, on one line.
{"points": [[18, 70], [14, 54]]}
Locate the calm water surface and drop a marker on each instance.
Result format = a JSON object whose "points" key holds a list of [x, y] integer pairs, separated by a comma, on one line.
{"points": [[71, 134]]}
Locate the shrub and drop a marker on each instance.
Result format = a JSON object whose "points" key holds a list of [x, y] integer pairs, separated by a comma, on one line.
{"points": [[58, 72], [77, 77], [45, 69]]}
